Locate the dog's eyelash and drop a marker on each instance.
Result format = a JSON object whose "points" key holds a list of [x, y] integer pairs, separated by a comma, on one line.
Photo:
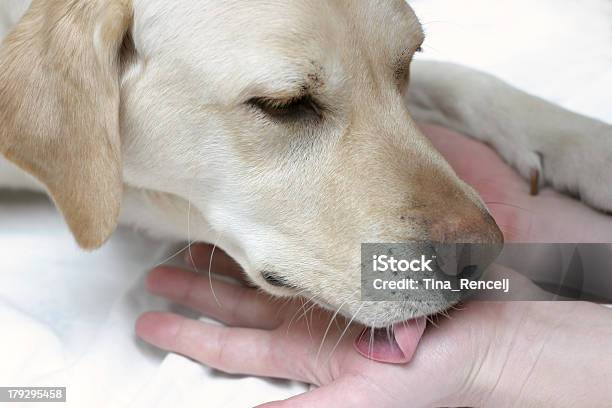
{"points": [[287, 109]]}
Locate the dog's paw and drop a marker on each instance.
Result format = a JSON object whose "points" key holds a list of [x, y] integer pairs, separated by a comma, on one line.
{"points": [[578, 165], [581, 166]]}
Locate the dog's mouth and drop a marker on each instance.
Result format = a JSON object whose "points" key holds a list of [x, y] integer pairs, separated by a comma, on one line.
{"points": [[395, 345], [276, 280]]}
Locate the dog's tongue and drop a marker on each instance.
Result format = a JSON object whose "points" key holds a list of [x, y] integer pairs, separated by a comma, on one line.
{"points": [[395, 346]]}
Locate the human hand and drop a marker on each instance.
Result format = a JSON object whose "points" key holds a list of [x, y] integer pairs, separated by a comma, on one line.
{"points": [[547, 217], [479, 357], [487, 354]]}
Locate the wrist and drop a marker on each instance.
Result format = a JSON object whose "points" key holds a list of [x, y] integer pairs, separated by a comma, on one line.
{"points": [[548, 354]]}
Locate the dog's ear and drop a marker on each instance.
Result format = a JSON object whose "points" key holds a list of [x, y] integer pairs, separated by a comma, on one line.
{"points": [[59, 107]]}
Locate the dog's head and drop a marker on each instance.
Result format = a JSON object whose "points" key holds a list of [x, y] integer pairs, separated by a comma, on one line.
{"points": [[282, 123]]}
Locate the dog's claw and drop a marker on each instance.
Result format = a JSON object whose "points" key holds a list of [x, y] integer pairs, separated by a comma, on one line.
{"points": [[535, 183]]}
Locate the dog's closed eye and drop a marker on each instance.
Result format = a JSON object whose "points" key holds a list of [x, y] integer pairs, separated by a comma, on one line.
{"points": [[301, 107]]}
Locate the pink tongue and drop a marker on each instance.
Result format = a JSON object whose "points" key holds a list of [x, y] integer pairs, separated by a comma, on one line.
{"points": [[397, 347]]}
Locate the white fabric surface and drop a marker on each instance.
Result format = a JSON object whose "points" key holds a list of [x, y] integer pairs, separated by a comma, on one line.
{"points": [[66, 317]]}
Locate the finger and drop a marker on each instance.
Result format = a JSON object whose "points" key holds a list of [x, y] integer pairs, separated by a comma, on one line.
{"points": [[232, 350], [347, 392], [229, 303], [204, 257]]}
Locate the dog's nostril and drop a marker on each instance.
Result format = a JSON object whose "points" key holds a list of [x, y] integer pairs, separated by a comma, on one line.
{"points": [[275, 280], [469, 272]]}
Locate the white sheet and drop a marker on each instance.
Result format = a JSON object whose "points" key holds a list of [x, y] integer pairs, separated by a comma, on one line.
{"points": [[66, 317]]}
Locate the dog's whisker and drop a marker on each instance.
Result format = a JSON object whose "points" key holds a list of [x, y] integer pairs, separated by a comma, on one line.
{"points": [[169, 258], [310, 309], [191, 242], [426, 23], [388, 330], [458, 307], [337, 323], [430, 320], [331, 353], [508, 205], [305, 311], [281, 302], [210, 279], [306, 320], [289, 301], [361, 335], [371, 345], [294, 318], [331, 321]]}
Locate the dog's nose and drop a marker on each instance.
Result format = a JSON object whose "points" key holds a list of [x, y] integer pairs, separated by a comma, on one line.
{"points": [[466, 224], [480, 242]]}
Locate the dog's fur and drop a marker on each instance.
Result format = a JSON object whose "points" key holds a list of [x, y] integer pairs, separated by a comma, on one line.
{"points": [[168, 111]]}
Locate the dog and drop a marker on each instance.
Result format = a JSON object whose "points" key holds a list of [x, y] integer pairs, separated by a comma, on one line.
{"points": [[282, 132]]}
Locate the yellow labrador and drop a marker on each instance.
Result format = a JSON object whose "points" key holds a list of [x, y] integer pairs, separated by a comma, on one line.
{"points": [[281, 130]]}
